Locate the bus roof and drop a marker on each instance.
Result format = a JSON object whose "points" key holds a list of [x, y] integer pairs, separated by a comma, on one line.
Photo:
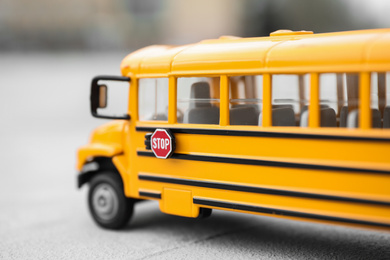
{"points": [[351, 51]]}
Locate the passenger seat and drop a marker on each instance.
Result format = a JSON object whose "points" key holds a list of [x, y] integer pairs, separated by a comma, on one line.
{"points": [[284, 116], [386, 117], [343, 116], [327, 118], [244, 115], [201, 111], [353, 119]]}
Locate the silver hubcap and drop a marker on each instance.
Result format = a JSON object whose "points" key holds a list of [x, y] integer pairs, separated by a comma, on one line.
{"points": [[105, 201]]}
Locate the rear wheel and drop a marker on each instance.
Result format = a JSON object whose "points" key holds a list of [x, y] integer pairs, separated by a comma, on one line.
{"points": [[205, 212], [107, 203]]}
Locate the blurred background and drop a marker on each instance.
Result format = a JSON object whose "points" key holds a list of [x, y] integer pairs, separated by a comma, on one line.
{"points": [[117, 25], [49, 52]]}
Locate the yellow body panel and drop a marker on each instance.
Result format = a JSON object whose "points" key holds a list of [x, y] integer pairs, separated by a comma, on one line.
{"points": [[178, 202], [106, 141], [328, 52], [315, 173]]}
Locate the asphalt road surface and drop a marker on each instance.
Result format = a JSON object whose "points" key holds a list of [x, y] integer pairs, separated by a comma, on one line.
{"points": [[44, 117]]}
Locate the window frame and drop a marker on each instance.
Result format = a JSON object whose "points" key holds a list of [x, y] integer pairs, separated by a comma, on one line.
{"points": [[266, 108]]}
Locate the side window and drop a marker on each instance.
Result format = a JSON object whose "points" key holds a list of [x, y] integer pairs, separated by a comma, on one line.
{"points": [[380, 100], [246, 94], [386, 111], [348, 85], [290, 99], [198, 100], [153, 99], [339, 97], [333, 99]]}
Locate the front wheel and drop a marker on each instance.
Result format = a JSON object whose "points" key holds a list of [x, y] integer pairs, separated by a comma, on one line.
{"points": [[107, 203]]}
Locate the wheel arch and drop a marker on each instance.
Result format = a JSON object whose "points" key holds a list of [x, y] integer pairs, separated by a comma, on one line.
{"points": [[95, 166]]}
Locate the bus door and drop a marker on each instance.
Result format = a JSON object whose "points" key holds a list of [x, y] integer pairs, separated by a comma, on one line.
{"points": [[166, 152]]}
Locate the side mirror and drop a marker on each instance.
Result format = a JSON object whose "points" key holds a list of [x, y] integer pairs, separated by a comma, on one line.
{"points": [[102, 96], [99, 96]]}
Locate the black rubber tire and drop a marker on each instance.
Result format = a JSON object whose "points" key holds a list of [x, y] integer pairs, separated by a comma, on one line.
{"points": [[205, 212], [111, 184]]}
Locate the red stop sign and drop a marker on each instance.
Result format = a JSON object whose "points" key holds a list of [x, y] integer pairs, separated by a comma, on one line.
{"points": [[162, 143]]}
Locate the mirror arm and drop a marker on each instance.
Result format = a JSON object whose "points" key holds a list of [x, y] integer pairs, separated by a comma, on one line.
{"points": [[94, 98]]}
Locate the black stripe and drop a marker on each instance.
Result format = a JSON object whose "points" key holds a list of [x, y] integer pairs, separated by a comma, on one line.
{"points": [[269, 163], [150, 194], [251, 189], [236, 206], [264, 134]]}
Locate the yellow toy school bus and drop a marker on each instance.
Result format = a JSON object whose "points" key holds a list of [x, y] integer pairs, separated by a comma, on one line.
{"points": [[295, 125]]}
